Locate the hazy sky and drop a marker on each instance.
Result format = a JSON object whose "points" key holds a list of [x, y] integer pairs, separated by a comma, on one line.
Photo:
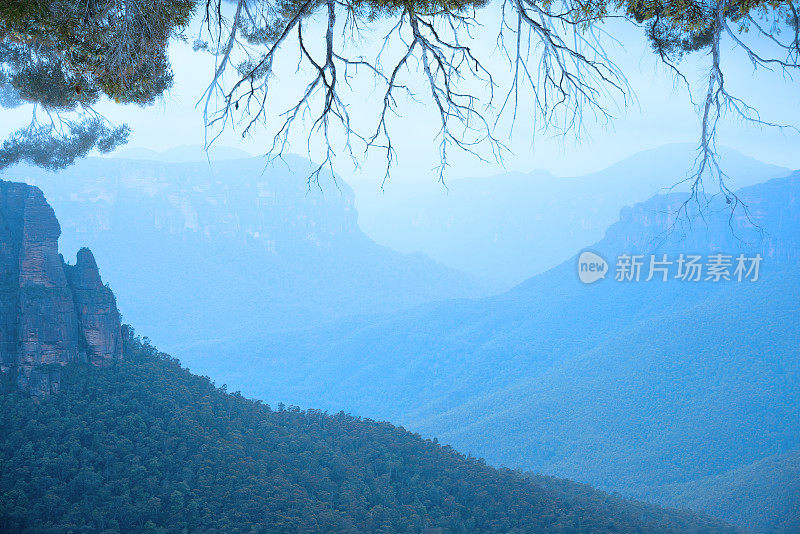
{"points": [[663, 114]]}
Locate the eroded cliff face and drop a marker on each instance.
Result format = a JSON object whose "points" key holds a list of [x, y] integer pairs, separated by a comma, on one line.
{"points": [[51, 313], [765, 220]]}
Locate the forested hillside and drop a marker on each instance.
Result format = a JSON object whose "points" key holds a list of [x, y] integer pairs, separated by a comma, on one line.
{"points": [[145, 446], [627, 386], [763, 496]]}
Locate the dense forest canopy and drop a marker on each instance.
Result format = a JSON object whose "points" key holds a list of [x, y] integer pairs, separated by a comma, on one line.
{"points": [[145, 446], [64, 55]]}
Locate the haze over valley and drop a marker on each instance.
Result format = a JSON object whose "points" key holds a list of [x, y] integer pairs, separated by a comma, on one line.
{"points": [[422, 267], [680, 393]]}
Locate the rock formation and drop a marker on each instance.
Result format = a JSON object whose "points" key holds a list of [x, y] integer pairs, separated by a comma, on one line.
{"points": [[51, 313]]}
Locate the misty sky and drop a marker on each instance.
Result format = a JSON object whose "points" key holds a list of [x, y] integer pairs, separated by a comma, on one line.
{"points": [[663, 114]]}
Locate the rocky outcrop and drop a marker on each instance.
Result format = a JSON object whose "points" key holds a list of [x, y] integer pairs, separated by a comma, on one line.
{"points": [[764, 219], [51, 313], [98, 318]]}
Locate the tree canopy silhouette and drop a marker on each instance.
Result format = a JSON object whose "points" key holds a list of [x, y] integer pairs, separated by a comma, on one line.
{"points": [[64, 55], [556, 52]]}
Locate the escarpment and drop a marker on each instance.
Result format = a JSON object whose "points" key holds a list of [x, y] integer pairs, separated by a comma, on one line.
{"points": [[51, 313]]}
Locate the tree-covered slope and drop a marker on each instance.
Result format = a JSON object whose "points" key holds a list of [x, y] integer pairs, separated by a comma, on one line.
{"points": [[763, 496], [416, 364], [686, 392], [146, 446], [625, 386]]}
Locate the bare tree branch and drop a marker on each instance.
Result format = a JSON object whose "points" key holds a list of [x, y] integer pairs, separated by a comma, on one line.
{"points": [[573, 74], [558, 69]]}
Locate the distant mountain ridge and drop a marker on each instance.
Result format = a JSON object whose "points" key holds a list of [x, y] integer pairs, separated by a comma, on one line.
{"points": [[237, 246], [762, 497], [764, 219], [512, 226], [183, 154], [509, 322], [626, 386]]}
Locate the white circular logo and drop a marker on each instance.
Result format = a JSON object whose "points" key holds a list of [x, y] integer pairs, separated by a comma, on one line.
{"points": [[591, 267]]}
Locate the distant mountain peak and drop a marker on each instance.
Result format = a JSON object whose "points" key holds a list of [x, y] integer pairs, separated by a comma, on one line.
{"points": [[184, 154]]}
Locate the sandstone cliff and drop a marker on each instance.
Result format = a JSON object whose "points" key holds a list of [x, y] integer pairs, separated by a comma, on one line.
{"points": [[51, 313], [765, 221]]}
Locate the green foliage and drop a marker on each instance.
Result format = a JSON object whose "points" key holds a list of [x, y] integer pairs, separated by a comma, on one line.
{"points": [[145, 446], [64, 56], [677, 27], [45, 146], [761, 497], [388, 7], [63, 53]]}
